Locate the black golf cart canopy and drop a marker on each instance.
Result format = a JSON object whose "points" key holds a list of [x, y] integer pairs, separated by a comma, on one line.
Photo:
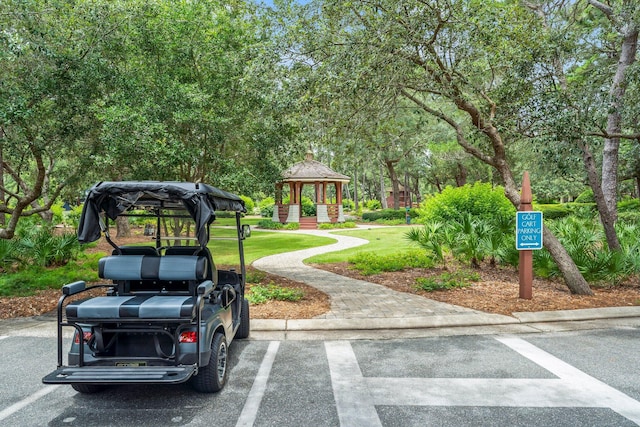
{"points": [[114, 198]]}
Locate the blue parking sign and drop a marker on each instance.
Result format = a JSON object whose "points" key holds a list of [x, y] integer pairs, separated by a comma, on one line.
{"points": [[528, 231]]}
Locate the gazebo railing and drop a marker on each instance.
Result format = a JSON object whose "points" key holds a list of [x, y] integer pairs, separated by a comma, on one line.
{"points": [[283, 211], [334, 212]]}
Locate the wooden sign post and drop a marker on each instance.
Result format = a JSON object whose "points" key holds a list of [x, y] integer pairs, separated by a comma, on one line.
{"points": [[525, 265]]}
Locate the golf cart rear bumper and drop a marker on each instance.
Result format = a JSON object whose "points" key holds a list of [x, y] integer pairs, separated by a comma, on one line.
{"points": [[120, 375]]}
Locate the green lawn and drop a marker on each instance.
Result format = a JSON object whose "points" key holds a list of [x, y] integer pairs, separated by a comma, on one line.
{"points": [[382, 241], [253, 220], [260, 244]]}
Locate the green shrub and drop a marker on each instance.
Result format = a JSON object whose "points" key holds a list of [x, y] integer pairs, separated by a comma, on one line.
{"points": [[225, 214], [586, 197], [444, 281], [270, 225], [389, 214], [57, 211], [373, 204], [35, 277], [267, 212], [248, 204], [267, 201], [259, 294], [553, 211], [629, 205], [469, 239], [308, 207], [73, 217], [348, 205], [9, 254], [255, 276], [292, 226], [585, 242], [583, 210], [138, 221], [480, 200], [629, 217], [368, 263], [266, 206], [334, 225], [435, 238], [40, 246]]}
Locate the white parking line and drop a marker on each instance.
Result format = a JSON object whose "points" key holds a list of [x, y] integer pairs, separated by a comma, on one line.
{"points": [[251, 406], [356, 397], [598, 393], [353, 401], [25, 402]]}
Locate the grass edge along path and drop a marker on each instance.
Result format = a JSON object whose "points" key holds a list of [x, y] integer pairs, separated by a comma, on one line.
{"points": [[382, 241]]}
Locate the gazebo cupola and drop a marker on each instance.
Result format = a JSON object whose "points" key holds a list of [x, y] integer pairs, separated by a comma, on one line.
{"points": [[323, 178]]}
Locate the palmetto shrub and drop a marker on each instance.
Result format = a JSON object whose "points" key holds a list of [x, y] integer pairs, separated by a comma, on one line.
{"points": [[469, 239], [9, 254], [585, 242], [40, 246]]}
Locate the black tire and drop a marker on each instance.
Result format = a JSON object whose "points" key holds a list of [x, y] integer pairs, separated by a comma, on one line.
{"points": [[213, 377], [89, 388], [243, 330]]}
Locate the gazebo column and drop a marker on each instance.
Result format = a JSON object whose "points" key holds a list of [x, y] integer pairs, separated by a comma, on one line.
{"points": [[278, 208], [321, 205], [339, 201], [294, 204]]}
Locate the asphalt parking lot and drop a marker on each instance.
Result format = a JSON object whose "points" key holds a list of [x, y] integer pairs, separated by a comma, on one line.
{"points": [[579, 377]]}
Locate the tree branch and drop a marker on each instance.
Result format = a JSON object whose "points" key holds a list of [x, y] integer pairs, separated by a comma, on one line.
{"points": [[462, 141], [606, 9]]}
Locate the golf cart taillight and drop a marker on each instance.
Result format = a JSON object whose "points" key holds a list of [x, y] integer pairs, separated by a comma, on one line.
{"points": [[188, 337], [85, 335]]}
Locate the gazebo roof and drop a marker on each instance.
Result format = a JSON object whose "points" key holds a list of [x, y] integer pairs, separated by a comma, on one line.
{"points": [[311, 170]]}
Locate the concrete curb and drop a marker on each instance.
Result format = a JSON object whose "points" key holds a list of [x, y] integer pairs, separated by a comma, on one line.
{"points": [[461, 320], [45, 325], [578, 315]]}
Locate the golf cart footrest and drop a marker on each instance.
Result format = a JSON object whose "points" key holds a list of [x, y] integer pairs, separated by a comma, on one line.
{"points": [[120, 375]]}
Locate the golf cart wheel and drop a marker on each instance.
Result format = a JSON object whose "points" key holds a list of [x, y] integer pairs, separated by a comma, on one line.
{"points": [[212, 378], [243, 330]]}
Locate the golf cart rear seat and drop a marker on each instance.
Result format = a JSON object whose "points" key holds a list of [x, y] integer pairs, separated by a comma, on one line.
{"points": [[148, 287]]}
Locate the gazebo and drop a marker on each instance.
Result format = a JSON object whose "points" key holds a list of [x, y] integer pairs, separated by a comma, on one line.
{"points": [[310, 172]]}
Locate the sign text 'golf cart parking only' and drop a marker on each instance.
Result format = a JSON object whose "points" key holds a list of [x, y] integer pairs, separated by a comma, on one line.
{"points": [[528, 230]]}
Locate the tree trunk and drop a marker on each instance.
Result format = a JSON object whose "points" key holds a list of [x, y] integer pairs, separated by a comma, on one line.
{"points": [[355, 189], [383, 193], [395, 183], [438, 185], [3, 221], [614, 119], [122, 227], [415, 183], [606, 217], [461, 176]]}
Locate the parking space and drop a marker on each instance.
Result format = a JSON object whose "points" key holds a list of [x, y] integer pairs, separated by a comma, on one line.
{"points": [[573, 379]]}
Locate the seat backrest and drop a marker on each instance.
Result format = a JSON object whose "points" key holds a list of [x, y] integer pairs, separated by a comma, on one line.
{"points": [[140, 273], [196, 251]]}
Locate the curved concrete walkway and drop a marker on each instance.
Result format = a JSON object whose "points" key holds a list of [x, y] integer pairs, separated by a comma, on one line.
{"points": [[364, 305]]}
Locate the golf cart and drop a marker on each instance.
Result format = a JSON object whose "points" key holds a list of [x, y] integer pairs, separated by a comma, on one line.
{"points": [[165, 315]]}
